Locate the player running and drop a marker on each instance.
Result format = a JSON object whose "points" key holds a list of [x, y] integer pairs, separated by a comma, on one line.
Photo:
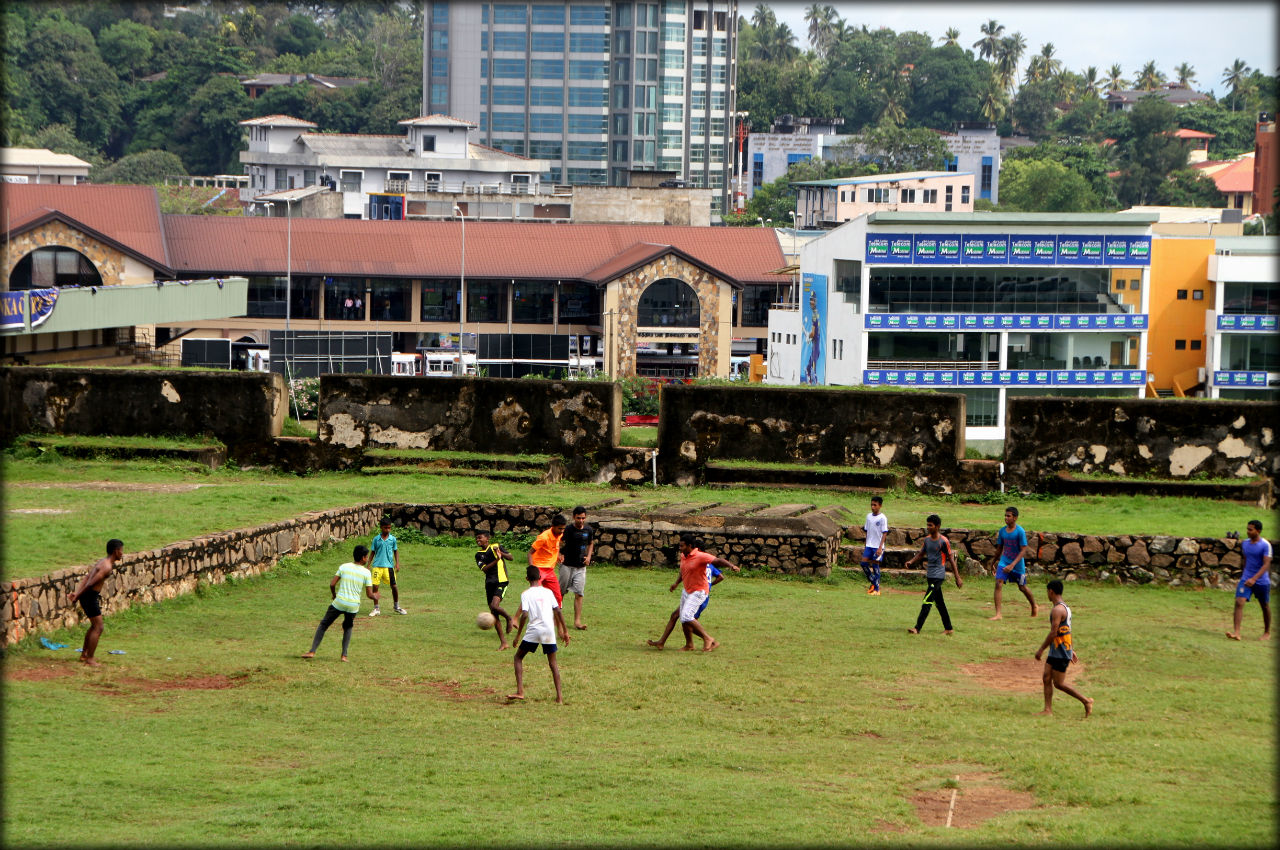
{"points": [[714, 577], [1012, 566]]}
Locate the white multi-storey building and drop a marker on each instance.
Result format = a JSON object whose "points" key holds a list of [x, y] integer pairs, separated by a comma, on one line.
{"points": [[598, 90], [376, 173], [1243, 347]]}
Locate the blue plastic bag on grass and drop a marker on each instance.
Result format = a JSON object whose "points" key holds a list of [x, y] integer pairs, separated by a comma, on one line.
{"points": [[48, 644]]}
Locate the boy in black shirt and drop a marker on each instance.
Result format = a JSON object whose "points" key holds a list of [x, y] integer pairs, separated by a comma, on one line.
{"points": [[577, 546], [492, 559]]}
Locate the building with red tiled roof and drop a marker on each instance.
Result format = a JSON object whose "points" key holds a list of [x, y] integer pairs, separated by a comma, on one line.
{"points": [[424, 281], [1234, 178]]}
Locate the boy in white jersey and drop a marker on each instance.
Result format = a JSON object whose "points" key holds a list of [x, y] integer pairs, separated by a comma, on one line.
{"points": [[1061, 653], [345, 588], [877, 528], [540, 612]]}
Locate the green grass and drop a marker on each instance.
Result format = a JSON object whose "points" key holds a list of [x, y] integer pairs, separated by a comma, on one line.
{"points": [[639, 436], [793, 733], [425, 454], [732, 463], [123, 442], [82, 503]]}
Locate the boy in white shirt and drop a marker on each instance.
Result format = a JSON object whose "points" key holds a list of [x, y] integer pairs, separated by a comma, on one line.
{"points": [[876, 527], [540, 618]]}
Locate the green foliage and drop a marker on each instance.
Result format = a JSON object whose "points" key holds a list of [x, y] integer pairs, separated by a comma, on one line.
{"points": [[1149, 152], [1087, 159], [1041, 185], [640, 396], [143, 167], [1233, 131]]}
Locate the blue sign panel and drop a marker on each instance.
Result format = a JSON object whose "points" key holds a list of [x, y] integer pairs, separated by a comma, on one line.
{"points": [[1013, 378], [1224, 378], [1128, 250], [11, 310], [877, 249], [1004, 321], [1236, 322], [984, 249]]}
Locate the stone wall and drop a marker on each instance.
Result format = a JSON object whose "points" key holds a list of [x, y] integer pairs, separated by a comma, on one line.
{"points": [[1120, 559], [920, 432], [1158, 438], [40, 604], [239, 408], [109, 261], [577, 420]]}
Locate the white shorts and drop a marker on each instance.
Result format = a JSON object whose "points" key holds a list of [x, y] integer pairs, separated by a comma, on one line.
{"points": [[690, 603], [573, 580]]}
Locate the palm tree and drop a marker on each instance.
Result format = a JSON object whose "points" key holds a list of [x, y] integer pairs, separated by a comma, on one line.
{"points": [[1050, 64], [951, 38], [1089, 82], [1149, 79], [990, 40], [1235, 77], [1008, 55], [763, 18], [1115, 81], [822, 22], [991, 105], [1186, 74]]}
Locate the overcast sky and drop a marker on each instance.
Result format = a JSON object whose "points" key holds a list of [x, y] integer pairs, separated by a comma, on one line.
{"points": [[1208, 35]]}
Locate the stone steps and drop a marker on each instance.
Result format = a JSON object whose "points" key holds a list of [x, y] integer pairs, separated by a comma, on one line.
{"points": [[213, 455], [1255, 490], [815, 477], [433, 461], [529, 475]]}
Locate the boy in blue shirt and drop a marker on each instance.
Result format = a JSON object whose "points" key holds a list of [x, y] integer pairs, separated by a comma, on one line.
{"points": [[1255, 579], [1012, 566], [386, 563]]}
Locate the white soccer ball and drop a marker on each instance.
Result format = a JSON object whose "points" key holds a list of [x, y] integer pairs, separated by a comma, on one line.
{"points": [[485, 620]]}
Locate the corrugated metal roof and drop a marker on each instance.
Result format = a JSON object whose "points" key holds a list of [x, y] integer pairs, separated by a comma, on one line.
{"points": [[437, 120], [884, 178], [277, 121], [40, 157], [128, 215], [426, 249], [342, 144]]}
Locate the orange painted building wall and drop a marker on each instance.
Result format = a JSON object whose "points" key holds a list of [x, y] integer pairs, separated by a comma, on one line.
{"points": [[1181, 294]]}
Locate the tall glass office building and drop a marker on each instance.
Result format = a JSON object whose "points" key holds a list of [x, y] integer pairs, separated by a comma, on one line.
{"points": [[600, 89]]}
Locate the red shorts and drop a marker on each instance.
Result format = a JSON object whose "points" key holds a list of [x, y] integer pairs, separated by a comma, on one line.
{"points": [[550, 581]]}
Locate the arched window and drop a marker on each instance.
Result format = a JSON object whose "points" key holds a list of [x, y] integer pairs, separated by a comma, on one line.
{"points": [[44, 268], [668, 303]]}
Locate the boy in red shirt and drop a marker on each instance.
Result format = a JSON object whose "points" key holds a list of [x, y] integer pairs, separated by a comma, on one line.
{"points": [[693, 574], [545, 555]]}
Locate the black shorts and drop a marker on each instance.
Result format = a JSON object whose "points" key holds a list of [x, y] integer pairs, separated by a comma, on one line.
{"points": [[1059, 664], [494, 588], [91, 602], [527, 646]]}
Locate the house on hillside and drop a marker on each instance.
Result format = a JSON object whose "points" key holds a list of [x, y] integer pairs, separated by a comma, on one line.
{"points": [[827, 203], [1178, 95], [38, 165]]}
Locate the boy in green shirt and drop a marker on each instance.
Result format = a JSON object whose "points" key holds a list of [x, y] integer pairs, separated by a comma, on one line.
{"points": [[345, 588]]}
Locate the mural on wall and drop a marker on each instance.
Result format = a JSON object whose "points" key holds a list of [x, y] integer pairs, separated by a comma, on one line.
{"points": [[813, 324]]}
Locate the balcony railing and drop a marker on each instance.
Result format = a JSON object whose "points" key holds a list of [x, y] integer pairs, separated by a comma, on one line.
{"points": [[462, 187]]}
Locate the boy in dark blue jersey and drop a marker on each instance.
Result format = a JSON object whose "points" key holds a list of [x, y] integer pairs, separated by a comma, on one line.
{"points": [[1012, 566]]}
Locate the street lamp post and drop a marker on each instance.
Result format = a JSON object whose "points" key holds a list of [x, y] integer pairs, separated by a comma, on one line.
{"points": [[462, 288]]}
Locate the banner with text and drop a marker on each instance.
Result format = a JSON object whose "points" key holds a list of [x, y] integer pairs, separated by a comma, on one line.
{"points": [[11, 307], [1005, 377], [992, 249], [1004, 321]]}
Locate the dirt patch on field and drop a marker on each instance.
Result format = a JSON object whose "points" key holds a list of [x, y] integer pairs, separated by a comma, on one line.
{"points": [[450, 690], [977, 797], [37, 511], [128, 685], [40, 672], [1021, 675]]}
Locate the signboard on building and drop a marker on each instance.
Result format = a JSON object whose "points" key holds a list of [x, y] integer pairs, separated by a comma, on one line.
{"points": [[1237, 322], [1224, 378], [1007, 377], [813, 328], [1004, 321], [13, 312], [992, 249]]}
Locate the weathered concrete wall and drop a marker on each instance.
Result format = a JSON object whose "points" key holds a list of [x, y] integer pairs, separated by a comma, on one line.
{"points": [[1120, 559], [578, 420], [32, 605], [1160, 438], [920, 432], [238, 408]]}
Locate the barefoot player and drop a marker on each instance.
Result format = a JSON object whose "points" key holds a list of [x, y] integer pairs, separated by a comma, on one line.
{"points": [[693, 575], [492, 559], [540, 618], [89, 595], [714, 577], [1012, 566], [545, 555], [1061, 655], [1255, 579]]}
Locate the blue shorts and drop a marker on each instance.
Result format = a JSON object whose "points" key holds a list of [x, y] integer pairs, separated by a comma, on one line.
{"points": [[702, 607], [1019, 578], [869, 554], [1262, 591]]}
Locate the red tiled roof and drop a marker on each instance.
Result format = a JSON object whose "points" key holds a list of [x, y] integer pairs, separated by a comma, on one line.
{"points": [[126, 215], [1236, 177], [638, 255], [1184, 133], [424, 249]]}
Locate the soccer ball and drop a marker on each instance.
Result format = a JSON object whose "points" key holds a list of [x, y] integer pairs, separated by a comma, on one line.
{"points": [[485, 620]]}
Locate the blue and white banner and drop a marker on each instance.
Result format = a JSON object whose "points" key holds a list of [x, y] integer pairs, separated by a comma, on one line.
{"points": [[991, 249], [1237, 322], [1223, 378], [1004, 321], [11, 307], [1006, 377]]}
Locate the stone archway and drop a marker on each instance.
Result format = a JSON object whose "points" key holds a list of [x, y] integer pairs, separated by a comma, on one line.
{"points": [[622, 315], [53, 266], [109, 262], [668, 303]]}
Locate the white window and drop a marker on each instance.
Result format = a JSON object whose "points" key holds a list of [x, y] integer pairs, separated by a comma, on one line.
{"points": [[930, 196], [908, 196], [350, 180]]}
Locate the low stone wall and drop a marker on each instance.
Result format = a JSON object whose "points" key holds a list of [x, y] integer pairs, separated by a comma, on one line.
{"points": [[40, 604], [920, 432], [577, 420], [239, 408], [1157, 438], [1121, 559], [796, 545]]}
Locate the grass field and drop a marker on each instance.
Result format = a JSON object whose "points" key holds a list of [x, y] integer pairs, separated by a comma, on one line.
{"points": [[81, 503], [819, 721]]}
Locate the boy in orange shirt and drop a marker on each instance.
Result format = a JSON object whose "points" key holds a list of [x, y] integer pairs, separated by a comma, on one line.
{"points": [[693, 574], [545, 555]]}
